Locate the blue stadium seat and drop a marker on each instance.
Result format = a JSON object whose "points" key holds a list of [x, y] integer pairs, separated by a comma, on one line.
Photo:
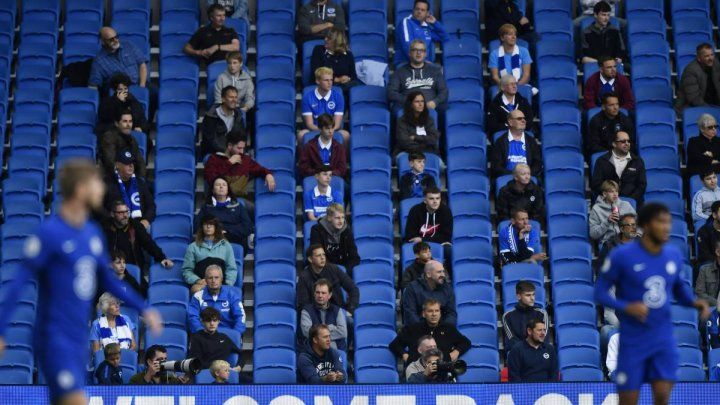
{"points": [[652, 118], [29, 210], [570, 205], [645, 8], [371, 316], [689, 8], [471, 229], [176, 118], [369, 118], [559, 183], [691, 365], [374, 357], [32, 121], [274, 365], [473, 274], [556, 95], [662, 182], [373, 229], [373, 337], [173, 316], [276, 118], [582, 374], [687, 337], [466, 95], [373, 274], [713, 364], [370, 183], [467, 50], [468, 184], [280, 294], [278, 28], [174, 340], [274, 335], [375, 252], [172, 9], [662, 139], [579, 294], [473, 251], [30, 144], [470, 206], [19, 338], [275, 317], [18, 362], [482, 366], [573, 250], [463, 26], [466, 160], [553, 9], [308, 76], [170, 229], [651, 75], [512, 273], [560, 118], [373, 49], [377, 295], [556, 27], [462, 72], [661, 160], [367, 26], [645, 29], [650, 51], [553, 50], [578, 337], [275, 251], [573, 357], [276, 51], [41, 9], [571, 272], [131, 9], [573, 316], [168, 295]]}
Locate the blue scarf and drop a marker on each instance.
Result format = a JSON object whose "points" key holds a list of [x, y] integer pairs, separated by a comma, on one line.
{"points": [[217, 203], [130, 195], [124, 334], [514, 63]]}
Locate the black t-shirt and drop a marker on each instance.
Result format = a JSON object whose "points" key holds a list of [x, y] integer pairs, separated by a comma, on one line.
{"points": [[207, 36], [711, 96]]}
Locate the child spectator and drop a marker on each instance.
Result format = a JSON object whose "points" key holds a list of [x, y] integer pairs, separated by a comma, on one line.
{"points": [[605, 214], [317, 199], [601, 38], [416, 181], [323, 150], [238, 78], [706, 196], [323, 99], [220, 371], [108, 372]]}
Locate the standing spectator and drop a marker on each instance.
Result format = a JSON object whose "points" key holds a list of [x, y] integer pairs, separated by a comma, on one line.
{"points": [[323, 150], [220, 121], [319, 363], [700, 80], [416, 269], [515, 320], [212, 42], [120, 101], [506, 101], [707, 285], [316, 18], [333, 233], [430, 221], [704, 150], [499, 12], [708, 235], [323, 99], [605, 81], [335, 54], [521, 192], [117, 57], [210, 242], [418, 74], [519, 242], [119, 267], [153, 374], [432, 285], [612, 355], [120, 139], [223, 298], [533, 360], [420, 25], [415, 130], [414, 183], [317, 199], [510, 58], [207, 344], [623, 168], [123, 185], [601, 38], [324, 312], [238, 78], [517, 147], [605, 214], [628, 233], [318, 268], [233, 8], [233, 216], [108, 372], [424, 344], [606, 124], [220, 371], [111, 326], [705, 197]]}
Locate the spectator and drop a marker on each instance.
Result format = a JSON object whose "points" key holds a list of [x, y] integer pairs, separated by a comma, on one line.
{"points": [[519, 242], [419, 25], [323, 99], [705, 197], [120, 139], [623, 168], [117, 57], [318, 268], [324, 312], [233, 216], [153, 374], [423, 254], [605, 214], [605, 81], [316, 18], [418, 74], [628, 233], [335, 54], [108, 372], [601, 38], [606, 124], [233, 8], [450, 341], [119, 267], [111, 326], [704, 150], [214, 41], [430, 375], [521, 192], [208, 344], [333, 233], [515, 321], [424, 344], [123, 185], [708, 235], [587, 10], [612, 355], [220, 121], [517, 147], [323, 150], [238, 78], [318, 362], [707, 284], [506, 101], [713, 332], [533, 360], [700, 80], [430, 220], [499, 12], [431, 285], [220, 372], [210, 243], [510, 58], [414, 183], [317, 199], [120, 101], [224, 298], [415, 130]]}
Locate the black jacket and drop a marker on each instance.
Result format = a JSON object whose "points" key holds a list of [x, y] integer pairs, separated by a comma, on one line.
{"points": [[342, 64], [446, 335], [602, 130], [436, 227], [407, 139], [235, 221], [209, 348], [108, 375], [339, 248], [515, 323], [113, 141], [133, 241], [415, 295], [696, 158], [497, 113], [110, 109], [147, 201], [408, 179], [531, 199], [336, 277], [412, 273], [214, 131], [527, 364], [499, 156], [632, 182], [706, 238], [597, 42], [499, 12]]}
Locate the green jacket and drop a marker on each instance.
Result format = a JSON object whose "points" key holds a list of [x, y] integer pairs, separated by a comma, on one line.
{"points": [[221, 250]]}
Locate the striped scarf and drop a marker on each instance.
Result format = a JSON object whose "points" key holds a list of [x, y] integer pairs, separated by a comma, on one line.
{"points": [[123, 335], [514, 62], [511, 239]]}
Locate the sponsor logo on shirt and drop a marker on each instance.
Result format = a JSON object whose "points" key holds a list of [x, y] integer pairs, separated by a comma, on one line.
{"points": [[425, 83]]}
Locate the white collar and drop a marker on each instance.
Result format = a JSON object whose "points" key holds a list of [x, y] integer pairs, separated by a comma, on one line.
{"points": [[510, 137], [219, 110], [618, 157], [506, 101], [317, 193], [603, 81], [324, 145], [319, 97]]}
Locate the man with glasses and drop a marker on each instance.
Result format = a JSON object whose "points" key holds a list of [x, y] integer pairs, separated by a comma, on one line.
{"points": [[605, 124], [420, 25], [155, 355], [703, 151], [607, 80], [621, 166], [700, 80], [506, 101], [418, 75], [117, 57], [515, 147], [628, 233]]}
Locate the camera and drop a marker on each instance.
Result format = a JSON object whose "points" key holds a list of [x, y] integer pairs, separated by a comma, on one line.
{"points": [[454, 368], [187, 366]]}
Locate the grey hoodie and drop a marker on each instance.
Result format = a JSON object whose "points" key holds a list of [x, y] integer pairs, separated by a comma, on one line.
{"points": [[702, 201], [244, 85], [601, 229], [428, 79]]}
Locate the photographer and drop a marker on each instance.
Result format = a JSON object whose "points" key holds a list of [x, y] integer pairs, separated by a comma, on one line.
{"points": [[430, 375], [154, 374]]}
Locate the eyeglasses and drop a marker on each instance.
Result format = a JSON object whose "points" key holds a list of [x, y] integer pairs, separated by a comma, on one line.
{"points": [[712, 126], [630, 225], [518, 118], [622, 141], [417, 50]]}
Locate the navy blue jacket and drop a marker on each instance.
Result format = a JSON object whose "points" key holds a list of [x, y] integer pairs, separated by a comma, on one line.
{"points": [[108, 375], [234, 219], [311, 367], [526, 363], [418, 292]]}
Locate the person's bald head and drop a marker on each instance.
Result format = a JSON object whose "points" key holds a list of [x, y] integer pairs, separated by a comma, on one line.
{"points": [[435, 272], [516, 120], [109, 38]]}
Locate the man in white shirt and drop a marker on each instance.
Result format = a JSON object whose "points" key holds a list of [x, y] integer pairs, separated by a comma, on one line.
{"points": [[623, 167]]}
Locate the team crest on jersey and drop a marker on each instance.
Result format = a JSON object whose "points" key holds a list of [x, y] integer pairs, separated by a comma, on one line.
{"points": [[331, 105], [84, 283], [606, 265], [671, 268], [96, 246], [32, 246], [546, 356], [225, 304]]}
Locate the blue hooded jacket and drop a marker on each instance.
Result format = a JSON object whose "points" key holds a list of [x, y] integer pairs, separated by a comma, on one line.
{"points": [[228, 303], [311, 367], [411, 29]]}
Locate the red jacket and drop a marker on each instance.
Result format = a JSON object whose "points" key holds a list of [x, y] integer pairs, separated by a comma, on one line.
{"points": [[310, 158], [238, 174], [622, 88]]}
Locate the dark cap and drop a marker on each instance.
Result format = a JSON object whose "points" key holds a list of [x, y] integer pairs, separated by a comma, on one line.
{"points": [[125, 157], [323, 168]]}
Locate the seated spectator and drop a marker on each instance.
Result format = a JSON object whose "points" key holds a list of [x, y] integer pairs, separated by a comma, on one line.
{"points": [[506, 101], [108, 372], [233, 8], [419, 25], [700, 80], [605, 124], [432, 285], [232, 215], [324, 312], [704, 150], [323, 99], [111, 326], [318, 362], [418, 74], [212, 42], [210, 242], [207, 344], [225, 299], [519, 242], [334, 234], [220, 121], [153, 374], [705, 197], [123, 185], [117, 57], [612, 355], [533, 360], [323, 150], [608, 80], [606, 212], [317, 199], [515, 320], [628, 233], [708, 235], [430, 220], [238, 78], [220, 371], [416, 269], [120, 139], [120, 101], [510, 58], [707, 284], [521, 192], [587, 10], [414, 183], [601, 38], [499, 12], [119, 267], [316, 18], [517, 147], [415, 130], [424, 344], [622, 167], [713, 332], [318, 268], [335, 54], [430, 375]]}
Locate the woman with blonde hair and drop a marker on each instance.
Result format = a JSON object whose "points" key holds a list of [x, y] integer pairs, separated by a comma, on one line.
{"points": [[336, 55]]}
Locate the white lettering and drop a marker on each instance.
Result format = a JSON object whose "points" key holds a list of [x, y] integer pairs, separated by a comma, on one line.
{"points": [[585, 399], [553, 399], [123, 401], [95, 401], [323, 400], [286, 400], [186, 401], [240, 400], [148, 400], [359, 400], [395, 400], [454, 400], [505, 399], [611, 399]]}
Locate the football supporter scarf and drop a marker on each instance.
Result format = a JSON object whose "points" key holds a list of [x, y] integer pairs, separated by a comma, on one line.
{"points": [[514, 62], [130, 195], [123, 335]]}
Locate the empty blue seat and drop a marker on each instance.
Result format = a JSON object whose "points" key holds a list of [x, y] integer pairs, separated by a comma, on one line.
{"points": [[375, 252], [171, 9], [371, 316], [276, 51], [573, 357], [554, 50], [650, 51], [274, 365], [467, 95], [571, 272], [275, 251], [131, 9], [274, 295], [472, 228], [645, 8], [474, 251], [466, 160], [578, 337], [661, 160], [371, 48], [370, 183], [174, 340], [574, 316], [161, 275], [17, 360], [663, 182], [373, 228], [689, 8], [555, 95], [463, 72], [645, 29], [374, 274], [462, 50], [276, 118], [473, 274], [555, 27], [572, 250], [482, 366], [369, 118], [276, 28], [580, 294], [171, 295], [560, 118]]}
